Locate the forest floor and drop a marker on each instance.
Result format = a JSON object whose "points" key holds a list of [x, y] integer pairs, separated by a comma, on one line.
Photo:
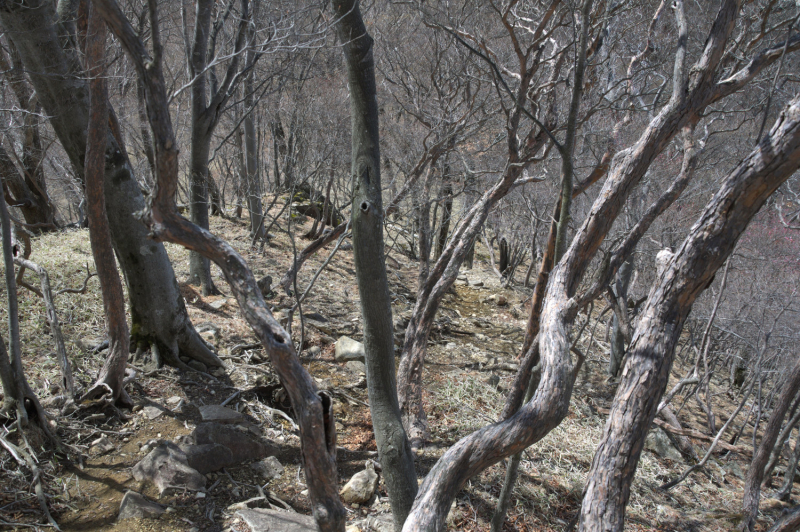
{"points": [[473, 332]]}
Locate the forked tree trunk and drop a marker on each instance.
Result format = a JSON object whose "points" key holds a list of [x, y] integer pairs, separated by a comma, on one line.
{"points": [[158, 312], [110, 380], [651, 353], [394, 449]]}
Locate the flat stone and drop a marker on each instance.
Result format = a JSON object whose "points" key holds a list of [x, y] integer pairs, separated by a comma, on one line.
{"points": [[348, 349], [316, 316], [220, 414], [269, 468], [242, 443], [103, 445], [357, 367], [658, 442], [166, 467], [134, 505], [262, 520], [152, 412], [174, 400], [207, 457], [314, 350], [218, 304]]}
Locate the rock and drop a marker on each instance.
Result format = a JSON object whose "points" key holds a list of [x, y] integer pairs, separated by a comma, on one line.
{"points": [[102, 444], [491, 298], [269, 468], [242, 443], [167, 467], [477, 283], [264, 520], [357, 367], [197, 366], [134, 505], [207, 457], [658, 442], [502, 301], [314, 350], [348, 349], [734, 469], [265, 285], [217, 305], [220, 414], [152, 412], [450, 346], [316, 316], [174, 400], [361, 487]]}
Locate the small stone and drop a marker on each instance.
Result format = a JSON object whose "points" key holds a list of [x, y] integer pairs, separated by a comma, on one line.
{"points": [[174, 400], [361, 487], [314, 350], [450, 346], [200, 495], [136, 408], [152, 412], [217, 305], [269, 468], [277, 520], [265, 285], [502, 301], [477, 283], [357, 367], [348, 349], [220, 414], [134, 505], [103, 445]]}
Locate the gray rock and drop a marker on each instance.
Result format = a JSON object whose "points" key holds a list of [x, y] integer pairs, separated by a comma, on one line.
{"points": [[220, 414], [357, 367], [733, 468], [218, 304], [207, 457], [265, 285], [166, 467], [102, 445], [658, 442], [477, 283], [269, 468], [174, 400], [316, 316], [152, 412], [134, 505], [314, 350], [361, 487], [261, 520], [197, 365], [348, 349], [242, 443]]}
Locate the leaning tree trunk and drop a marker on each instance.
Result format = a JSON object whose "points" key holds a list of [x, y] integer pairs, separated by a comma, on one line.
{"points": [[394, 449], [110, 380], [158, 312], [755, 474], [652, 349]]}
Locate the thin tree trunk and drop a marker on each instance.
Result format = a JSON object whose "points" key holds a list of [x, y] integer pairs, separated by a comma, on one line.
{"points": [[394, 449], [755, 474], [617, 338], [447, 208], [785, 493], [110, 380], [252, 175]]}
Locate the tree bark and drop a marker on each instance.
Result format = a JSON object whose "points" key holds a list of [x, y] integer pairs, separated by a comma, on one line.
{"points": [[110, 379], [650, 355], [755, 474], [394, 449], [158, 312]]}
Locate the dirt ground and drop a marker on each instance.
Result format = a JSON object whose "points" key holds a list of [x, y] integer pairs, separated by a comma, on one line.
{"points": [[472, 332]]}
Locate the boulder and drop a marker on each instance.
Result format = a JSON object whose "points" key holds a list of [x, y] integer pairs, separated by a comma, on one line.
{"points": [[220, 414], [152, 412], [264, 520], [166, 467], [134, 505], [361, 487], [357, 367], [348, 349]]}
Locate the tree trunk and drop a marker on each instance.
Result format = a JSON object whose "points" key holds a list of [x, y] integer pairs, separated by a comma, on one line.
{"points": [[785, 493], [755, 474], [252, 179], [652, 349], [617, 338], [447, 208], [394, 449], [158, 312], [110, 380]]}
